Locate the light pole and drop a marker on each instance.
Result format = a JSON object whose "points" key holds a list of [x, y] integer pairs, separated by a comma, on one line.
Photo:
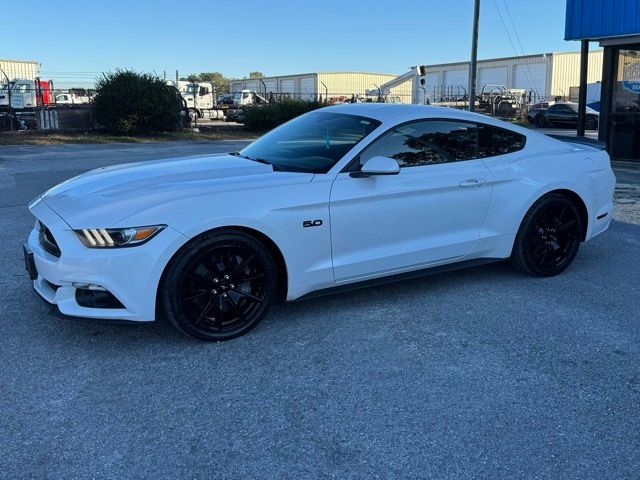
{"points": [[474, 57]]}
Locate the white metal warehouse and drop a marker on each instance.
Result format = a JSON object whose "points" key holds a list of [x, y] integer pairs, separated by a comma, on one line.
{"points": [[18, 69], [546, 74], [311, 86]]}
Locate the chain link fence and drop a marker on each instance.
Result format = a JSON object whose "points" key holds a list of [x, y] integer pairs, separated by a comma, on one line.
{"points": [[64, 101], [44, 104]]}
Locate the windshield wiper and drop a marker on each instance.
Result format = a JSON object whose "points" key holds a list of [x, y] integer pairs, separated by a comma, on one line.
{"points": [[259, 160], [238, 154]]}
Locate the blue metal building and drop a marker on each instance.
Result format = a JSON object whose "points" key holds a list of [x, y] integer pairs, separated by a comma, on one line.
{"points": [[615, 24]]}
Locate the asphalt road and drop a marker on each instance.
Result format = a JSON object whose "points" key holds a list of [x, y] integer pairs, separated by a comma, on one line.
{"points": [[482, 373]]}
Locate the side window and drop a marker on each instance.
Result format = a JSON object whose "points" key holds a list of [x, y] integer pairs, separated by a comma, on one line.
{"points": [[426, 143], [498, 141]]}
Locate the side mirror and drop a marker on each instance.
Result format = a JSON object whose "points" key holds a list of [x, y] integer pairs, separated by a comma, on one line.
{"points": [[377, 166]]}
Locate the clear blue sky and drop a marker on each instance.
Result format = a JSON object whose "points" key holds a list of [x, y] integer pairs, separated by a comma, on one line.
{"points": [[275, 37]]}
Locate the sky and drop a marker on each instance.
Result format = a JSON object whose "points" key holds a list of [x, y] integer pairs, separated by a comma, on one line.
{"points": [[276, 37]]}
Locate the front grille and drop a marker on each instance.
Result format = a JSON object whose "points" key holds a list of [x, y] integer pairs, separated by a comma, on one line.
{"points": [[47, 241]]}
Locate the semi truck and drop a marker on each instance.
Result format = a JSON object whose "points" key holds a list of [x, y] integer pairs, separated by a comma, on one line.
{"points": [[25, 94]]}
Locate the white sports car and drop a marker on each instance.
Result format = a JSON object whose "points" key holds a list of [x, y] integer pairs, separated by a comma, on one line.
{"points": [[342, 196]]}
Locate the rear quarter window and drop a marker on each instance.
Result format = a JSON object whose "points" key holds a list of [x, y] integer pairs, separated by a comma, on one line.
{"points": [[494, 141]]}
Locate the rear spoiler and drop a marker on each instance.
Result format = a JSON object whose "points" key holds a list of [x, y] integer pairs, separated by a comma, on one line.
{"points": [[589, 142]]}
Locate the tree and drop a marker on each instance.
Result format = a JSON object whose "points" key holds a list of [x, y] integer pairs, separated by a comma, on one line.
{"points": [[219, 81], [132, 102], [256, 74]]}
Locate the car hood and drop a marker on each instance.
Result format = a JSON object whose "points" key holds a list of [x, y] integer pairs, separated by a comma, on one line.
{"points": [[107, 195]]}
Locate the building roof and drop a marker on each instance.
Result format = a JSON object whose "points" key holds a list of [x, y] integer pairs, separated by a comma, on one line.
{"points": [[315, 73], [9, 60]]}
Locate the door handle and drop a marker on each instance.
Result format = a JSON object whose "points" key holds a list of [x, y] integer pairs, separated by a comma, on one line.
{"points": [[472, 183]]}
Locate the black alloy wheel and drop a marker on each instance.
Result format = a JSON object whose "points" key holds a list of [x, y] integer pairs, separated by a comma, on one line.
{"points": [[549, 237], [540, 120], [220, 287]]}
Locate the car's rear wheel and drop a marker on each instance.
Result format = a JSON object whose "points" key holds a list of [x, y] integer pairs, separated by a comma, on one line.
{"points": [[219, 287], [590, 123], [549, 237], [540, 121]]}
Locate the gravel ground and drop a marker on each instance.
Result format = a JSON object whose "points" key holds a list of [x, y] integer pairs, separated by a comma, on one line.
{"points": [[627, 196], [481, 373]]}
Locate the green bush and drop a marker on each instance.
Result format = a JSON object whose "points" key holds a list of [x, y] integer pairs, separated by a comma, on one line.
{"points": [[131, 102], [272, 115]]}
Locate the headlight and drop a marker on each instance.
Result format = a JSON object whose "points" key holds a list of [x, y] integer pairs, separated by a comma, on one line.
{"points": [[117, 237]]}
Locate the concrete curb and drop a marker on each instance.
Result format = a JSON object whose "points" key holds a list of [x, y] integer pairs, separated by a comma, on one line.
{"points": [[623, 164]]}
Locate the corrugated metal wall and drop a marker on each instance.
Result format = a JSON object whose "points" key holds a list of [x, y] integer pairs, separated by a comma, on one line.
{"points": [[455, 76], [19, 69], [565, 71], [310, 86], [350, 83]]}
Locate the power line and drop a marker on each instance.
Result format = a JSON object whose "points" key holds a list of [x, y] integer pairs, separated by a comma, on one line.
{"points": [[515, 31], [513, 46]]}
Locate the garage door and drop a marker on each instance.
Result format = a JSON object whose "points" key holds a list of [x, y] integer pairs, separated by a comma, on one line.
{"points": [[287, 86], [455, 82], [270, 85], [236, 86], [251, 85], [531, 77], [308, 88], [491, 76], [431, 86]]}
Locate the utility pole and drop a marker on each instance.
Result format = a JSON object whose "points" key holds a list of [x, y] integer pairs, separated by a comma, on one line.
{"points": [[582, 96], [474, 57]]}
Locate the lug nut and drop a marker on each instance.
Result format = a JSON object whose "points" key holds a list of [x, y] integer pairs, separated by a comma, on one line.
{"points": [[224, 295], [215, 292], [226, 277], [232, 286]]}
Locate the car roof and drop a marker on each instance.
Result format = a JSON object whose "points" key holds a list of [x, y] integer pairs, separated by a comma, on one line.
{"points": [[395, 113], [399, 112]]}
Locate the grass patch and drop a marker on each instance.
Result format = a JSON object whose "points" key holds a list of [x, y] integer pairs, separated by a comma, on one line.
{"points": [[206, 132]]}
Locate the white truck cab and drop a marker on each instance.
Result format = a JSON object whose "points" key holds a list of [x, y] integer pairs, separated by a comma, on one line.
{"points": [[247, 97], [23, 94]]}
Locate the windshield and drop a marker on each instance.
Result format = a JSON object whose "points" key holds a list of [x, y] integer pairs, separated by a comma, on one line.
{"points": [[311, 143], [237, 95]]}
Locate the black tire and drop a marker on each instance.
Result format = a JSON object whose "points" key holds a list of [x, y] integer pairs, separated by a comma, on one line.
{"points": [[540, 121], [591, 123], [219, 286], [549, 237]]}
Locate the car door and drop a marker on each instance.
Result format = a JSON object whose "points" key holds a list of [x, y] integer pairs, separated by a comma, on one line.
{"points": [[429, 213], [561, 114]]}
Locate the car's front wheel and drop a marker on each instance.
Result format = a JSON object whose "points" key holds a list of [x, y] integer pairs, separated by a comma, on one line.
{"points": [[219, 286], [540, 121], [548, 238]]}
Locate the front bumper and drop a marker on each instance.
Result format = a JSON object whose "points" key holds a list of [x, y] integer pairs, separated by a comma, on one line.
{"points": [[131, 274]]}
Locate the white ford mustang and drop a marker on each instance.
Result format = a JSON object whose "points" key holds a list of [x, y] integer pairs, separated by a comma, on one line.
{"points": [[342, 196]]}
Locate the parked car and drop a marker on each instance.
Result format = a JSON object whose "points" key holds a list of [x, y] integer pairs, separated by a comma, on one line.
{"points": [[562, 114], [342, 196]]}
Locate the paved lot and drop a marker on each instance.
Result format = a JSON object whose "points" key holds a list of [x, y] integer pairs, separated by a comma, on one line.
{"points": [[483, 373]]}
